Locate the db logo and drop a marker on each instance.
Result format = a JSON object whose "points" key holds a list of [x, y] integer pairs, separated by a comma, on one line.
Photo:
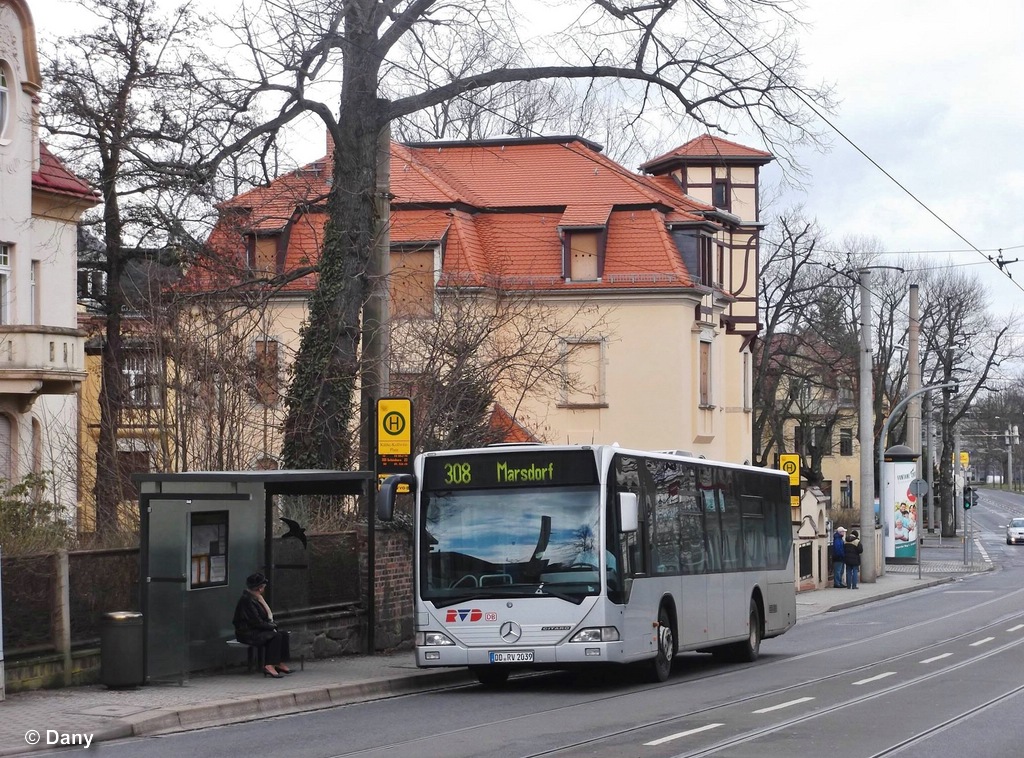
{"points": [[466, 614], [490, 616]]}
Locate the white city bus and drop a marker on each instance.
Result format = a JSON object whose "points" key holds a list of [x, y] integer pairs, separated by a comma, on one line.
{"points": [[535, 556]]}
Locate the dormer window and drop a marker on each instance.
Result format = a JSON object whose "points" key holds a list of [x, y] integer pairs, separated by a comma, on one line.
{"points": [[413, 281], [263, 254], [583, 254]]}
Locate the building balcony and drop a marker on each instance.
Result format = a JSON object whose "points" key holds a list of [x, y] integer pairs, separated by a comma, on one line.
{"points": [[40, 360]]}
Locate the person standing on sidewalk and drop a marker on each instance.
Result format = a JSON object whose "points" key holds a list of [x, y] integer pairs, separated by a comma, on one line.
{"points": [[838, 557], [851, 556]]}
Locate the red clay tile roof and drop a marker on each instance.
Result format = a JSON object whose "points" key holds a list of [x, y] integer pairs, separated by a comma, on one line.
{"points": [[706, 146], [54, 177], [494, 206], [507, 429]]}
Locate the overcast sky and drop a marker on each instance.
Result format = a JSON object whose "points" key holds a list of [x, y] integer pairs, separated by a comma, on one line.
{"points": [[931, 91]]}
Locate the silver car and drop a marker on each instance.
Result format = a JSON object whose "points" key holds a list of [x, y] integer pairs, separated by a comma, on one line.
{"points": [[1015, 531]]}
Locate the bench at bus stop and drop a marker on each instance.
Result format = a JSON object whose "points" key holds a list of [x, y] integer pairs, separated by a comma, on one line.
{"points": [[255, 655]]}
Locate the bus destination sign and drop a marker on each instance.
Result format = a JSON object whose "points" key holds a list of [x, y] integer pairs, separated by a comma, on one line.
{"points": [[510, 469]]}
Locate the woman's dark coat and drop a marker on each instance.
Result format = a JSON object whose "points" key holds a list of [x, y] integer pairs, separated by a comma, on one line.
{"points": [[252, 625], [852, 551]]}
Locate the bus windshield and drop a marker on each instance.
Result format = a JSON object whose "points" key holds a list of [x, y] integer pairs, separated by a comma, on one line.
{"points": [[510, 543]]}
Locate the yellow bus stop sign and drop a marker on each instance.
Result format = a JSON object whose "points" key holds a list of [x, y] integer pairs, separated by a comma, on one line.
{"points": [[790, 463], [394, 426]]}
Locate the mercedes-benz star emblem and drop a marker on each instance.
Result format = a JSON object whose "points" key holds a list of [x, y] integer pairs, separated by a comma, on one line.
{"points": [[511, 632]]}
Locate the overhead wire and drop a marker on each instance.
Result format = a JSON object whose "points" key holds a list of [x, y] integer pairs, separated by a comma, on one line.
{"points": [[999, 263]]}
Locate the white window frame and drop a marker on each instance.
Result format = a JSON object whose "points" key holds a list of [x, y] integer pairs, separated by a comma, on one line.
{"points": [[141, 364], [6, 255], [6, 100]]}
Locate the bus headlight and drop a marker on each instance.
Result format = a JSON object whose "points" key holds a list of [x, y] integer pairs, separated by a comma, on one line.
{"points": [[596, 634], [432, 639]]}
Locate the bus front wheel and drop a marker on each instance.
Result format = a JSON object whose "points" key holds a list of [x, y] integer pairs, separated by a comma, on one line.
{"points": [[490, 676], [661, 666]]}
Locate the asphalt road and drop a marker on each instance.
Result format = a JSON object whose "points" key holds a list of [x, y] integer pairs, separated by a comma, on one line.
{"points": [[929, 674]]}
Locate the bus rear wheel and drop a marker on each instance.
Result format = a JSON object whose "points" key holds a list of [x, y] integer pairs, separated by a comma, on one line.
{"points": [[747, 650], [661, 666], [490, 676]]}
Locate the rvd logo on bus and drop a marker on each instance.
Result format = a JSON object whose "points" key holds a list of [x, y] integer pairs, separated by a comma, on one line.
{"points": [[469, 614]]}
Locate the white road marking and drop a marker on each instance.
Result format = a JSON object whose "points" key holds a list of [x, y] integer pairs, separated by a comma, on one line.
{"points": [[1015, 628], [876, 678], [677, 735], [969, 592], [936, 658], [982, 641], [780, 706]]}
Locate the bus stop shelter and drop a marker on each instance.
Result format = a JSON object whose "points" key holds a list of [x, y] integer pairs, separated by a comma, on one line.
{"points": [[201, 535]]}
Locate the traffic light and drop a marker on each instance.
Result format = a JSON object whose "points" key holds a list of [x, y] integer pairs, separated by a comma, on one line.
{"points": [[970, 497]]}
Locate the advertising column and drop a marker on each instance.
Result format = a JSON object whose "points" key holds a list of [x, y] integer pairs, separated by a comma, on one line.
{"points": [[900, 506]]}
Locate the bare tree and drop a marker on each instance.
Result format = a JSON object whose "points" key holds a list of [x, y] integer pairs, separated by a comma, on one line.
{"points": [[802, 364], [963, 342], [483, 346], [122, 102], [699, 64]]}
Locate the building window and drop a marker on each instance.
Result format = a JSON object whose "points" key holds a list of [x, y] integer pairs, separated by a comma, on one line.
{"points": [[846, 442], [6, 253], [267, 376], [5, 98], [582, 250], [33, 277], [748, 401], [141, 379], [130, 462], [92, 283], [7, 451], [707, 262], [412, 282], [820, 440], [705, 374], [263, 255], [583, 374], [823, 440], [720, 194]]}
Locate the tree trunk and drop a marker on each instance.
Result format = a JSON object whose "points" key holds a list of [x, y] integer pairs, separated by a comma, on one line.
{"points": [[318, 430]]}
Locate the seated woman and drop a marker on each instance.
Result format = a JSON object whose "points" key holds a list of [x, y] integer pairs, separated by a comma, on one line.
{"points": [[254, 625]]}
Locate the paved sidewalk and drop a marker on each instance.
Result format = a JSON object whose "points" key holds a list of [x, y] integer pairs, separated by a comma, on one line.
{"points": [[99, 714]]}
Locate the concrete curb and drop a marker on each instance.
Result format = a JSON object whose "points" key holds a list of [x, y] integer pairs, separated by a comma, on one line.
{"points": [[237, 710], [925, 584]]}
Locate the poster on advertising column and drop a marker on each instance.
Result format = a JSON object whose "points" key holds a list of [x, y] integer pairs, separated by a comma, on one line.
{"points": [[901, 509]]}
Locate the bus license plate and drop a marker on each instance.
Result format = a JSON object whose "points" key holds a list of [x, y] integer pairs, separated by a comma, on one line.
{"points": [[511, 656]]}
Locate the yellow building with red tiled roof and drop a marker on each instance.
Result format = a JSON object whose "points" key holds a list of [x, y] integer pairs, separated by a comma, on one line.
{"points": [[653, 286]]}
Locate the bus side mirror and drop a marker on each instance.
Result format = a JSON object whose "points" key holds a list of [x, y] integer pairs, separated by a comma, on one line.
{"points": [[629, 518], [387, 492]]}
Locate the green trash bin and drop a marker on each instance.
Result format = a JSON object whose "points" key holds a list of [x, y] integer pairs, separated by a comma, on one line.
{"points": [[121, 649]]}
